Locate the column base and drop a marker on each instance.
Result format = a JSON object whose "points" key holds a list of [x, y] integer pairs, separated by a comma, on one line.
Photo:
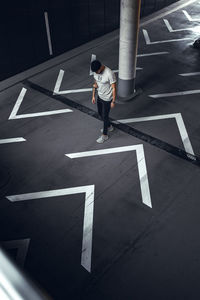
{"points": [[123, 100]]}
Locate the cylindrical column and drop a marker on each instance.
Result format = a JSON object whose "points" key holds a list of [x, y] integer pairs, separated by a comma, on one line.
{"points": [[129, 30]]}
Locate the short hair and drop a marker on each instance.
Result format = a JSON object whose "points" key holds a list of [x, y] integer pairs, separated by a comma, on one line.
{"points": [[95, 65]]}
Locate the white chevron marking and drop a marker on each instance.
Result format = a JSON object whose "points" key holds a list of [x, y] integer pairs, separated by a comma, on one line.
{"points": [[21, 246], [144, 183], [88, 214], [179, 121], [174, 30], [189, 17], [148, 42], [18, 103]]}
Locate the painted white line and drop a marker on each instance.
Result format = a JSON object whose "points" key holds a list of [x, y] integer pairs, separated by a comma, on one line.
{"points": [[88, 214], [21, 246], [58, 84], [189, 17], [152, 54], [48, 32], [18, 103], [190, 74], [174, 30], [144, 183], [14, 116], [175, 94], [148, 42], [138, 69], [12, 140], [93, 57], [179, 121]]}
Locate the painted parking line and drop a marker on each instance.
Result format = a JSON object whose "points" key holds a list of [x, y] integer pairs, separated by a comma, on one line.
{"points": [[14, 115], [144, 183], [148, 42], [183, 93], [12, 140], [88, 214], [190, 74], [179, 121]]}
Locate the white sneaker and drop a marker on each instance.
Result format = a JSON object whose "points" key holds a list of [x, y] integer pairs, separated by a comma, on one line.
{"points": [[110, 129], [102, 139]]}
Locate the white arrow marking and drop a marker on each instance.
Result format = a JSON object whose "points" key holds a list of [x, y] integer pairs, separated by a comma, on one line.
{"points": [[190, 74], [21, 246], [189, 17], [175, 94], [58, 84], [88, 214], [144, 183], [148, 42], [179, 121], [174, 30], [18, 103], [12, 140]]}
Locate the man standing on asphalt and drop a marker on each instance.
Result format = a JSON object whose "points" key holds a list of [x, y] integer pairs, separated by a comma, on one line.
{"points": [[105, 83]]}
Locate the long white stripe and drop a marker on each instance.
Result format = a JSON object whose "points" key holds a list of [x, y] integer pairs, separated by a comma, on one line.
{"points": [[12, 140], [88, 214], [152, 54], [73, 91], [175, 94], [190, 74], [18, 103], [144, 183], [179, 120], [48, 33], [45, 113], [148, 42]]}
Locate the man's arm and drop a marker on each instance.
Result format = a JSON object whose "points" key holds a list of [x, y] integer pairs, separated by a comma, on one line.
{"points": [[95, 86], [113, 85]]}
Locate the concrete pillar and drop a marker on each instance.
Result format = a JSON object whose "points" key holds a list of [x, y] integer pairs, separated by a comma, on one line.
{"points": [[129, 30]]}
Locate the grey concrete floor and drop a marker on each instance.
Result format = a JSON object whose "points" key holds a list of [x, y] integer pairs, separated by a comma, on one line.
{"points": [[138, 252]]}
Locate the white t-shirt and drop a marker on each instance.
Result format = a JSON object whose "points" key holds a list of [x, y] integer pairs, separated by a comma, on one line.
{"points": [[104, 81]]}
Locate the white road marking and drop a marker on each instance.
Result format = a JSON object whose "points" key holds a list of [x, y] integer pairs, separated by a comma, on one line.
{"points": [[18, 103], [48, 32], [138, 69], [58, 84], [174, 30], [144, 183], [88, 214], [21, 246], [152, 54], [190, 74], [12, 140], [189, 17], [148, 42], [183, 93], [179, 121], [93, 57]]}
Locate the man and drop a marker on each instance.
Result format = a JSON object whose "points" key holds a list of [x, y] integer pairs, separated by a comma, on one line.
{"points": [[105, 83]]}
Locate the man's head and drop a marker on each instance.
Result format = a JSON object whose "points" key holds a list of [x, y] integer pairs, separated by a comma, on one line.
{"points": [[96, 66]]}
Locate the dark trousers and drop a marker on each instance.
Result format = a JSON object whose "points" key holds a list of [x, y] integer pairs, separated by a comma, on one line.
{"points": [[103, 110]]}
